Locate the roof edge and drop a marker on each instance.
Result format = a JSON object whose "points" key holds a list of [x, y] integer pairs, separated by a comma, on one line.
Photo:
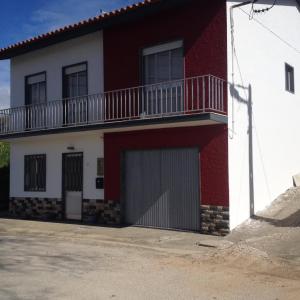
{"points": [[120, 16]]}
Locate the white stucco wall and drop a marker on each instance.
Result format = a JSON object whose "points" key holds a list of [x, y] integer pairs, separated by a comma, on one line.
{"points": [[52, 59], [262, 55], [90, 143]]}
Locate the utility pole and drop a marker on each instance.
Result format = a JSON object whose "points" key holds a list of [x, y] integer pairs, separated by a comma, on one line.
{"points": [[251, 168]]}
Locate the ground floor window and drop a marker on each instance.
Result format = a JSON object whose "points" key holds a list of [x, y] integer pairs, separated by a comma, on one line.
{"points": [[35, 173]]}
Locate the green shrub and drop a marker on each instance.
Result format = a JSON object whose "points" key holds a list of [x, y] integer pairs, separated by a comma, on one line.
{"points": [[4, 155]]}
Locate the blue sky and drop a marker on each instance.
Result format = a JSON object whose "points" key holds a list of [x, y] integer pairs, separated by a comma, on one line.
{"points": [[21, 19]]}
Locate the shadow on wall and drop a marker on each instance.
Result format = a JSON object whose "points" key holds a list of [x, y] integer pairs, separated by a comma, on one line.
{"points": [[247, 100]]}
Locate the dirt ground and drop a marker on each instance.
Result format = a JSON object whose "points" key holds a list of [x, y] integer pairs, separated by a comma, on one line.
{"points": [[259, 260]]}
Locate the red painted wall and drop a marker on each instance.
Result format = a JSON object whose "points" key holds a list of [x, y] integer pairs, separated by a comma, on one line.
{"points": [[211, 140], [202, 26]]}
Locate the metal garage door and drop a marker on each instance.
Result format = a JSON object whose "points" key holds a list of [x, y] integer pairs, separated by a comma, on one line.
{"points": [[162, 188]]}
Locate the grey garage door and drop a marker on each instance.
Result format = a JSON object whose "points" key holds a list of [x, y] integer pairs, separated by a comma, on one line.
{"points": [[162, 188]]}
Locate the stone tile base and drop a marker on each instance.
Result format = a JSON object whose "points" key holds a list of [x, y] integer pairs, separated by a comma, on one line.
{"points": [[36, 208], [215, 220], [101, 212]]}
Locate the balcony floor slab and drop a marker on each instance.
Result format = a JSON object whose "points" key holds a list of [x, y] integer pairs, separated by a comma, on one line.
{"points": [[203, 119]]}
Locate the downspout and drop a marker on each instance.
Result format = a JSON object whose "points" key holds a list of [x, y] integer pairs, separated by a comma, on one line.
{"points": [[232, 55]]}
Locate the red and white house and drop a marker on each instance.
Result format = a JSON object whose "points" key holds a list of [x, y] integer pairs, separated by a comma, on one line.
{"points": [[163, 114]]}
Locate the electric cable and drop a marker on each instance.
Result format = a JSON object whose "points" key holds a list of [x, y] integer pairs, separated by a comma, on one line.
{"points": [[259, 11], [272, 32]]}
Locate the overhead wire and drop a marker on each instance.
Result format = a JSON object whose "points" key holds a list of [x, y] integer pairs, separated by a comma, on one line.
{"points": [[273, 32], [259, 11]]}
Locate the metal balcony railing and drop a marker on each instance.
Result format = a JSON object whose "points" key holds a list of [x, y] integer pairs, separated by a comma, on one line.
{"points": [[196, 95]]}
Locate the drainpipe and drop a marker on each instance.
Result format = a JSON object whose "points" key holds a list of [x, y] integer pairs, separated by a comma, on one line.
{"points": [[232, 54]]}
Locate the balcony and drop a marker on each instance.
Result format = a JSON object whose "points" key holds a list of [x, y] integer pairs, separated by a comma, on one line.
{"points": [[198, 97]]}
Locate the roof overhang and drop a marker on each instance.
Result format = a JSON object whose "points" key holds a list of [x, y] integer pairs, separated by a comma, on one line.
{"points": [[124, 15]]}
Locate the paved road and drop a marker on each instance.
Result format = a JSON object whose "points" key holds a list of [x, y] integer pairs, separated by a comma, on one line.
{"points": [[62, 261]]}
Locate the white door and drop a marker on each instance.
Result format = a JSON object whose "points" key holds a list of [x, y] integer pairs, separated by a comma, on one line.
{"points": [[72, 183], [73, 205]]}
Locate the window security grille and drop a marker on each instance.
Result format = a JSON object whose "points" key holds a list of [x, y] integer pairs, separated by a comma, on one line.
{"points": [[35, 173]]}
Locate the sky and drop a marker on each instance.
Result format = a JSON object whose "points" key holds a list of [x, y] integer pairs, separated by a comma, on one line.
{"points": [[20, 19]]}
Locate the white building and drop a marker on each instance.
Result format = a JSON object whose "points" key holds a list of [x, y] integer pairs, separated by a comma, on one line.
{"points": [[266, 45]]}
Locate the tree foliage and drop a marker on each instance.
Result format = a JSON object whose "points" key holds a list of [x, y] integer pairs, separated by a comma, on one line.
{"points": [[4, 155]]}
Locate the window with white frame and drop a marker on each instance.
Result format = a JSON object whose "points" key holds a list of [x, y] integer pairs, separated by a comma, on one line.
{"points": [[163, 62], [35, 86], [75, 90], [163, 71], [35, 96], [75, 81]]}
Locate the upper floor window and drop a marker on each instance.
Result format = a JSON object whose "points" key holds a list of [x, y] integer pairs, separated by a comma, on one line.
{"points": [[75, 81], [289, 79], [35, 173], [35, 89], [162, 73], [163, 62]]}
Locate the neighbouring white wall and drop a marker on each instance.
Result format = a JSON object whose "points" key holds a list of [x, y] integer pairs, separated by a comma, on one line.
{"points": [[90, 143], [52, 59], [262, 55]]}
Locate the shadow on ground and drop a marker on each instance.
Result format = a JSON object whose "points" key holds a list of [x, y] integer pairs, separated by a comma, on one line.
{"points": [[291, 221], [284, 211]]}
